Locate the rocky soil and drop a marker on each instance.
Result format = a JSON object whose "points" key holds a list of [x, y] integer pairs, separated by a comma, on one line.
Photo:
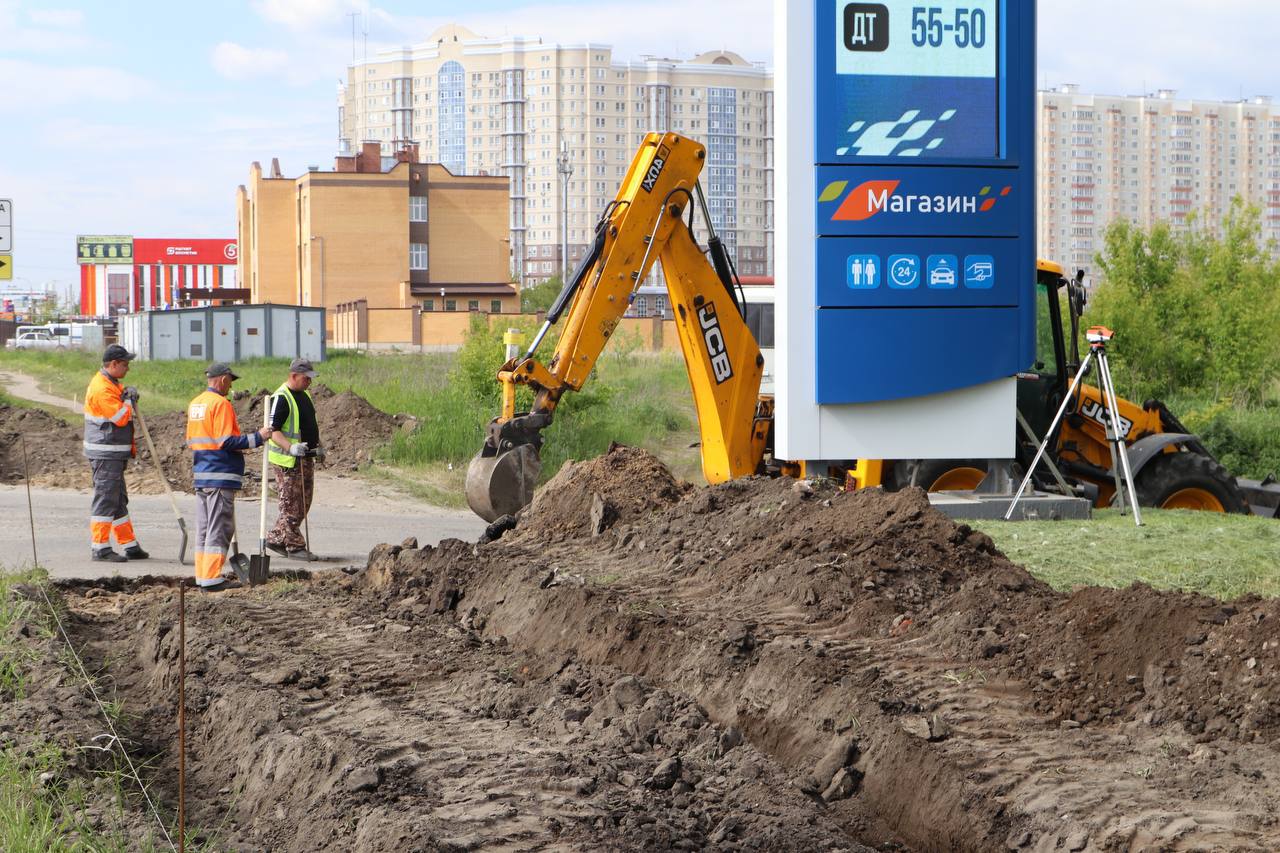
{"points": [[640, 665]]}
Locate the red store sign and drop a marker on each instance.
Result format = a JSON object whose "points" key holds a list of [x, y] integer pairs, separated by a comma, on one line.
{"points": [[168, 251]]}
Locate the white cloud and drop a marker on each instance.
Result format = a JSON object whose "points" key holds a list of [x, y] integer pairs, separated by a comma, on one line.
{"points": [[236, 62], [62, 18], [75, 84], [1218, 52], [673, 28], [305, 14]]}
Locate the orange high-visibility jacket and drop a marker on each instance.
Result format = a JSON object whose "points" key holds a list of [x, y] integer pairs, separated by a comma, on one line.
{"points": [[214, 434], [108, 420]]}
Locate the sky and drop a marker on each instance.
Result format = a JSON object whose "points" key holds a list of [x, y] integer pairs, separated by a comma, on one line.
{"points": [[141, 117]]}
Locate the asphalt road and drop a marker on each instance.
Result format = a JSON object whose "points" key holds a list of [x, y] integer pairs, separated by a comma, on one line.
{"points": [[348, 518]]}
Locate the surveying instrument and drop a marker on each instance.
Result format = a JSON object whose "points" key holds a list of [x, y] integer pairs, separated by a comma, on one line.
{"points": [[1097, 336]]}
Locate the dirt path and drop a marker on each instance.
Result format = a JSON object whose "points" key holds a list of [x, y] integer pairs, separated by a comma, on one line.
{"points": [[28, 388]]}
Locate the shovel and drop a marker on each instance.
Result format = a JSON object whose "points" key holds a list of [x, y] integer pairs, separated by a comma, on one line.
{"points": [[240, 563], [260, 563], [182, 522]]}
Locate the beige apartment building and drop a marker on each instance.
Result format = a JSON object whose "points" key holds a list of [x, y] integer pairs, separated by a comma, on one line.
{"points": [[509, 106], [387, 230], [1148, 159]]}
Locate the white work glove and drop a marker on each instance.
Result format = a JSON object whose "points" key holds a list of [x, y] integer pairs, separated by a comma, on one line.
{"points": [[130, 395], [298, 448]]}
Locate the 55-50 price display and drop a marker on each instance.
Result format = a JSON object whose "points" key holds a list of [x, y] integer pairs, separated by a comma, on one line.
{"points": [[932, 25]]}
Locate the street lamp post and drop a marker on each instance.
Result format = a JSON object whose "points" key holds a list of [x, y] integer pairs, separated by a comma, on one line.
{"points": [[566, 171]]}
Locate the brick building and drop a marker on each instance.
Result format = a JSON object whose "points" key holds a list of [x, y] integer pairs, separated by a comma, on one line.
{"points": [[387, 230]]}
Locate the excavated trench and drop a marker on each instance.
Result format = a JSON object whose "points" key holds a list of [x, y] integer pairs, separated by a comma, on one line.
{"points": [[761, 665]]}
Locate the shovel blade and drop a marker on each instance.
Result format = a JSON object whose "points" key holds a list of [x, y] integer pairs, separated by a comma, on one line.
{"points": [[241, 565], [259, 569]]}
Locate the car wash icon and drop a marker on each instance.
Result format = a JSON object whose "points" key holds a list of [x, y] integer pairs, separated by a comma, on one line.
{"points": [[942, 271], [862, 272]]}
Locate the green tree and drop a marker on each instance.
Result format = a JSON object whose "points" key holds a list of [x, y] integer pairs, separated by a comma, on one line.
{"points": [[1194, 312], [540, 296]]}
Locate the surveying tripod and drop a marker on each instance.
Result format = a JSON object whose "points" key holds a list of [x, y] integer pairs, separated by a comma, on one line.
{"points": [[1097, 336]]}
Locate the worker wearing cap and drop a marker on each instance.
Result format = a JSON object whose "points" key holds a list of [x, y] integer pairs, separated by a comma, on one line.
{"points": [[295, 442], [108, 445], [213, 434]]}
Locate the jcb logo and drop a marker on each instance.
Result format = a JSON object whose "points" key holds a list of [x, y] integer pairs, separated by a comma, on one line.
{"points": [[714, 339], [655, 169], [1094, 411]]}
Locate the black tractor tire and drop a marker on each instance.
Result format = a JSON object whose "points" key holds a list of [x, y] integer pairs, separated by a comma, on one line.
{"points": [[1189, 481], [935, 473]]}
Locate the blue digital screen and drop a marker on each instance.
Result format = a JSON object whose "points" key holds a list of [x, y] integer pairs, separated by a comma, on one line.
{"points": [[913, 82]]}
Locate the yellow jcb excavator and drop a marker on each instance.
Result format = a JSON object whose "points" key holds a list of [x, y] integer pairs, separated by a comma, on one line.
{"points": [[646, 222]]}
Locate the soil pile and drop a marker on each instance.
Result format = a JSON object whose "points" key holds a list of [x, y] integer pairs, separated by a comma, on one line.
{"points": [[764, 664], [53, 445], [587, 498], [351, 429]]}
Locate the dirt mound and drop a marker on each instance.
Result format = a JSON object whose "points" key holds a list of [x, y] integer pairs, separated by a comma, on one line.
{"points": [[53, 446], [587, 498], [351, 429], [764, 664]]}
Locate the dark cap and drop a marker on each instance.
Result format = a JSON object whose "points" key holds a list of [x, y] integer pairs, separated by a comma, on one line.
{"points": [[303, 366], [115, 352], [217, 369]]}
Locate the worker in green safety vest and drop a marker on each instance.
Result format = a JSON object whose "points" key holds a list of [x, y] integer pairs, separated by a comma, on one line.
{"points": [[295, 445]]}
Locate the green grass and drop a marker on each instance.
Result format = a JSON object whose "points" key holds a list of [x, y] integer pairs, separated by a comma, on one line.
{"points": [[634, 398], [1225, 556]]}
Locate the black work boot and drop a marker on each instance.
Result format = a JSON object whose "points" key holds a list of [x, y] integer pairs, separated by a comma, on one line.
{"points": [[135, 552], [106, 555], [224, 584]]}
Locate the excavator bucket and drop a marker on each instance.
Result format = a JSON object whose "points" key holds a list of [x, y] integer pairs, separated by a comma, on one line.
{"points": [[501, 482]]}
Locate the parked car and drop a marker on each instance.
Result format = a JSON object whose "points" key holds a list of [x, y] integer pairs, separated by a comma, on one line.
{"points": [[34, 339]]}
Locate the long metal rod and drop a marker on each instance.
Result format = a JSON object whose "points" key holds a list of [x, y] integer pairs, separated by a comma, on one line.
{"points": [[1044, 445], [31, 514], [182, 715]]}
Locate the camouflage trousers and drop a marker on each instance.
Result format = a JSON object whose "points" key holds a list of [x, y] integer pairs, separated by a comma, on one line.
{"points": [[296, 488]]}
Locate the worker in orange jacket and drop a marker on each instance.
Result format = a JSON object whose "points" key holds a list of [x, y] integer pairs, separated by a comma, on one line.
{"points": [[213, 434], [108, 445]]}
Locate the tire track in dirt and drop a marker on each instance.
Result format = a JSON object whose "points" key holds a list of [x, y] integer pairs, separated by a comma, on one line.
{"points": [[322, 722]]}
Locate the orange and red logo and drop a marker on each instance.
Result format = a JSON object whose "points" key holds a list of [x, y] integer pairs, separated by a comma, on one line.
{"points": [[871, 198]]}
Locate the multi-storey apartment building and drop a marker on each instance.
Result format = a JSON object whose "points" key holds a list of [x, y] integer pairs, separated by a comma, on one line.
{"points": [[1149, 159], [512, 106]]}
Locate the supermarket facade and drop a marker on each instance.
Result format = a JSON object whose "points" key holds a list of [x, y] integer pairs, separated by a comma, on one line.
{"points": [[123, 274]]}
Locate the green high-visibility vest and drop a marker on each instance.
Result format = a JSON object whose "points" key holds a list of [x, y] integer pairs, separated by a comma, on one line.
{"points": [[290, 428]]}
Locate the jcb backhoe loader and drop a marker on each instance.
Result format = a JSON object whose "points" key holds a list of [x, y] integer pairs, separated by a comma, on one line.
{"points": [[646, 222], [643, 224], [1172, 469]]}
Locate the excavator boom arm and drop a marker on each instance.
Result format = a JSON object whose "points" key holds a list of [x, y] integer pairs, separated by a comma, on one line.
{"points": [[643, 224]]}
